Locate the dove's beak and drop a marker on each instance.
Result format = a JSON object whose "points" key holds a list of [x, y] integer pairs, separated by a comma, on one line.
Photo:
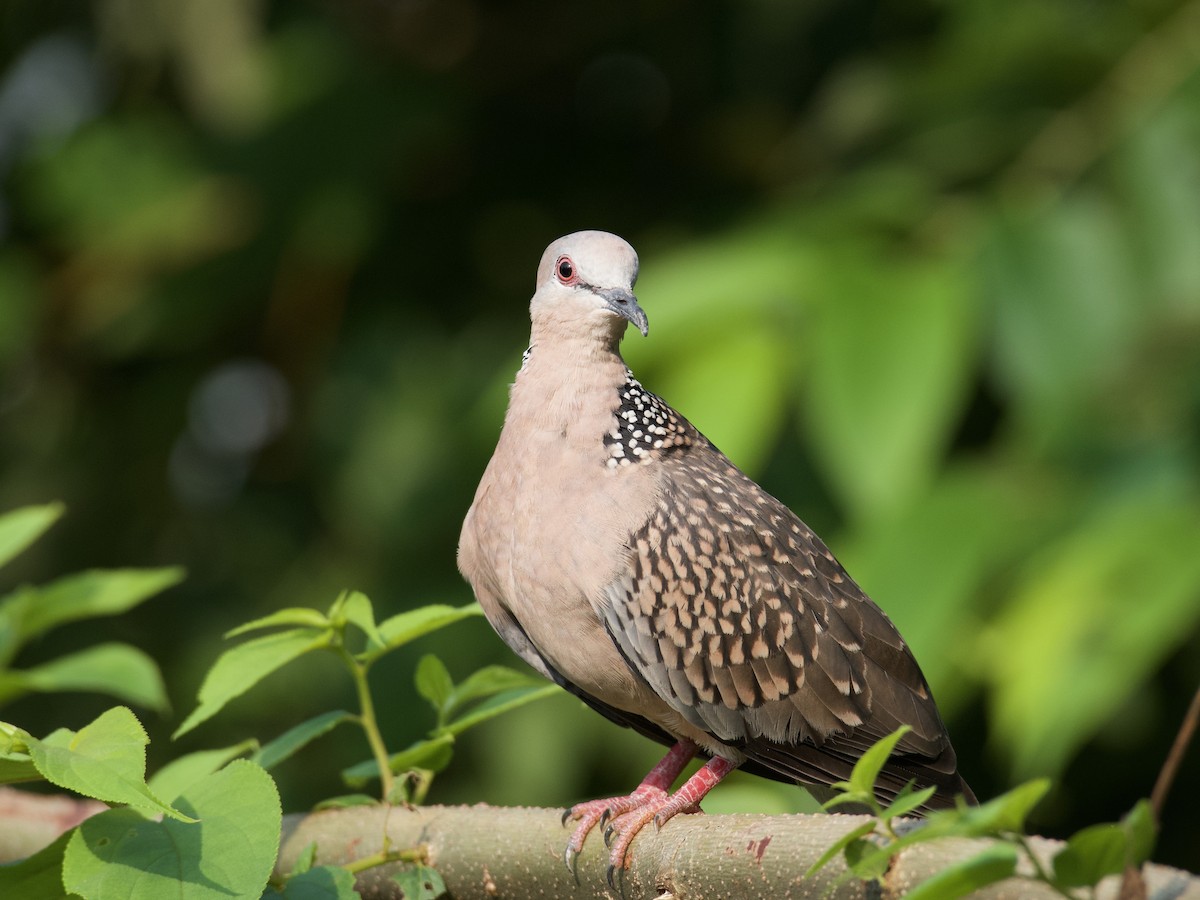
{"points": [[625, 305]]}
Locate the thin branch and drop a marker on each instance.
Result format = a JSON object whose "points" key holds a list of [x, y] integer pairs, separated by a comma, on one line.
{"points": [[1166, 777]]}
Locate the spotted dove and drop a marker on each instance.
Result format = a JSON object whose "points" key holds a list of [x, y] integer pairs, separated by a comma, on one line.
{"points": [[623, 556]]}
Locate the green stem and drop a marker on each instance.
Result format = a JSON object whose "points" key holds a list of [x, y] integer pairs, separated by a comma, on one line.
{"points": [[1039, 870], [370, 724], [416, 855]]}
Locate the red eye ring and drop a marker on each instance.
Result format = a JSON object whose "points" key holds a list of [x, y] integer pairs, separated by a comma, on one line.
{"points": [[564, 269]]}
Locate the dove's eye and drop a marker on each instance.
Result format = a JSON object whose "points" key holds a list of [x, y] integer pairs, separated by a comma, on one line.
{"points": [[565, 269]]}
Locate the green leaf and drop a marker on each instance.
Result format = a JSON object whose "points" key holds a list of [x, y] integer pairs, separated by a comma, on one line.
{"points": [[488, 681], [119, 670], [321, 883], [295, 739], [354, 607], [930, 562], [180, 774], [410, 788], [39, 876], [893, 347], [434, 684], [85, 595], [499, 704], [408, 626], [240, 668], [1143, 832], [969, 875], [871, 763], [1003, 814], [21, 527], [15, 763], [1090, 855], [848, 797], [907, 800], [16, 768], [1051, 630], [227, 853], [433, 754], [105, 760], [345, 801], [305, 860], [300, 616], [1067, 306], [839, 845], [867, 860], [420, 883], [1106, 849]]}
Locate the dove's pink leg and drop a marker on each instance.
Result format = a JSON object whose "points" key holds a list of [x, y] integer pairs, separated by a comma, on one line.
{"points": [[650, 800]]}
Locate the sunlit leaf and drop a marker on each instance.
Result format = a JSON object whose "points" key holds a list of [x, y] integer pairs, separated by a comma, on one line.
{"points": [[38, 876], [1132, 562], [305, 860], [345, 801], [907, 801], [870, 764], [105, 760], [499, 704], [865, 861], [182, 772], [21, 527], [1006, 813], [118, 670], [434, 683], [97, 592], [292, 616], [839, 845], [1106, 849], [408, 626], [320, 883], [433, 754], [226, 853], [892, 346], [1067, 305], [355, 607], [16, 768], [1143, 832], [488, 681], [420, 882], [1090, 855], [966, 876], [240, 668], [927, 567], [295, 739]]}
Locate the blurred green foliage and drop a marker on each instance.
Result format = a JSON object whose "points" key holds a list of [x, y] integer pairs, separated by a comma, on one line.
{"points": [[929, 271]]}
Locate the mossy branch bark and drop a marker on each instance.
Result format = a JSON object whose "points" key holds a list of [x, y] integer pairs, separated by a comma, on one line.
{"points": [[490, 852]]}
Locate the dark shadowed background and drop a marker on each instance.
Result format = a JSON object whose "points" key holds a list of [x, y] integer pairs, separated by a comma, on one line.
{"points": [[929, 271]]}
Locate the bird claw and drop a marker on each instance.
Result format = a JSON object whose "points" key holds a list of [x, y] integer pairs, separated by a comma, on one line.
{"points": [[567, 813], [611, 875], [621, 819]]}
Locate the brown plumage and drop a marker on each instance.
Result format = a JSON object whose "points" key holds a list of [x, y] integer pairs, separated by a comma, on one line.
{"points": [[622, 555]]}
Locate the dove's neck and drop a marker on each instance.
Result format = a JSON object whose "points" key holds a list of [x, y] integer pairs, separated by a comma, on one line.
{"points": [[569, 383]]}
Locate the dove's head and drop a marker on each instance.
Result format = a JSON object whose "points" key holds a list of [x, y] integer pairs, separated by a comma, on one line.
{"points": [[585, 285]]}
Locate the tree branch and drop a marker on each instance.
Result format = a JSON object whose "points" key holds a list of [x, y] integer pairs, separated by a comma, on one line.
{"points": [[487, 852]]}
